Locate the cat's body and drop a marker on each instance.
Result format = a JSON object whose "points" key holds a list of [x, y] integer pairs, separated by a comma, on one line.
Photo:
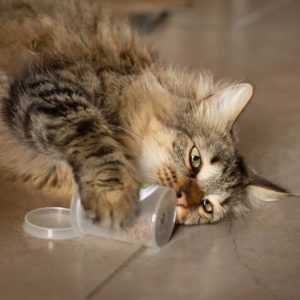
{"points": [[84, 97]]}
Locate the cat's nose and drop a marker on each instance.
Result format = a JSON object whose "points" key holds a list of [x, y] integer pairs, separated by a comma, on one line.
{"points": [[189, 196], [181, 199]]}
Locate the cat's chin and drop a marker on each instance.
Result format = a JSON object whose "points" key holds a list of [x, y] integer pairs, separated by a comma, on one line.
{"points": [[182, 216]]}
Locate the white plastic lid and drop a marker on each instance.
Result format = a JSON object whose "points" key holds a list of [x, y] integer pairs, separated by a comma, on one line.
{"points": [[50, 223]]}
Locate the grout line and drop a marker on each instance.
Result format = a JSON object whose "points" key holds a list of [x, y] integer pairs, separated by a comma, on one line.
{"points": [[257, 14], [119, 269]]}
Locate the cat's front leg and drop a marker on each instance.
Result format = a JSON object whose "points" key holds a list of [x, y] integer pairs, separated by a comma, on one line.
{"points": [[106, 178], [56, 119], [107, 182]]}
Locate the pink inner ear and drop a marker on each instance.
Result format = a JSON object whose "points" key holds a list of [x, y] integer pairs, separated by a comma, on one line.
{"points": [[182, 200]]}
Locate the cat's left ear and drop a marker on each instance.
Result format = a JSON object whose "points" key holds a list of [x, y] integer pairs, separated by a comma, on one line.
{"points": [[260, 189], [226, 105]]}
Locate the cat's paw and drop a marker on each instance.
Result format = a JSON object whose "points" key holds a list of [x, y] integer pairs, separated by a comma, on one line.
{"points": [[110, 207]]}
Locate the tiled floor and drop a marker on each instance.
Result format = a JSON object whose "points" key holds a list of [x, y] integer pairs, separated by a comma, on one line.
{"points": [[257, 257]]}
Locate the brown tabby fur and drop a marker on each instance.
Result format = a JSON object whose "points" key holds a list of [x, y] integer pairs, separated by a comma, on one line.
{"points": [[83, 97]]}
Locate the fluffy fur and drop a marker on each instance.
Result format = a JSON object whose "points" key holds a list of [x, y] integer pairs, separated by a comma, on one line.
{"points": [[85, 100]]}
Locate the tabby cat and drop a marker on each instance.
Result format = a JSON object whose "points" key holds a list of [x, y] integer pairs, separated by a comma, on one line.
{"points": [[85, 100]]}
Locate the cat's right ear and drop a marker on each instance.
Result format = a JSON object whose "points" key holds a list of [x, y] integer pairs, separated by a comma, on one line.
{"points": [[225, 106]]}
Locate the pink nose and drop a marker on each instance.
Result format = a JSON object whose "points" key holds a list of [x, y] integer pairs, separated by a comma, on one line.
{"points": [[182, 200]]}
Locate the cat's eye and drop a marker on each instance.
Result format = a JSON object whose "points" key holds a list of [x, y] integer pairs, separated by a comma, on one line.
{"points": [[206, 204], [195, 159]]}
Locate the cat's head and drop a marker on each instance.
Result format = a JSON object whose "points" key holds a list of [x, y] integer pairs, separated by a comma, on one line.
{"points": [[189, 145]]}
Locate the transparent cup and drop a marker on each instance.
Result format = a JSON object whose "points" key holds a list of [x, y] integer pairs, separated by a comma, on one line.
{"points": [[152, 227]]}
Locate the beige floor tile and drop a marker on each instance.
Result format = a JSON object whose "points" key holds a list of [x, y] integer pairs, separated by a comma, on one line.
{"points": [[269, 136], [32, 268], [253, 258]]}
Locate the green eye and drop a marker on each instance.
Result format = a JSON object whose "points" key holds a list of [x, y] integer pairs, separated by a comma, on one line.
{"points": [[207, 206], [195, 159]]}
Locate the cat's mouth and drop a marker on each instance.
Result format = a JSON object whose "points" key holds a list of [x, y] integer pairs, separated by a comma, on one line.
{"points": [[187, 215]]}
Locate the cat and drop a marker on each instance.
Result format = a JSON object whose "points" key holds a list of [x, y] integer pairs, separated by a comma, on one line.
{"points": [[85, 100]]}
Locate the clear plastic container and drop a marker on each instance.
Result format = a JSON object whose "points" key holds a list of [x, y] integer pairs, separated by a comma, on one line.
{"points": [[153, 226]]}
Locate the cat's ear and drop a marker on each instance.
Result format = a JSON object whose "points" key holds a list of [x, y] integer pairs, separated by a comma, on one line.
{"points": [[260, 189], [226, 105]]}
